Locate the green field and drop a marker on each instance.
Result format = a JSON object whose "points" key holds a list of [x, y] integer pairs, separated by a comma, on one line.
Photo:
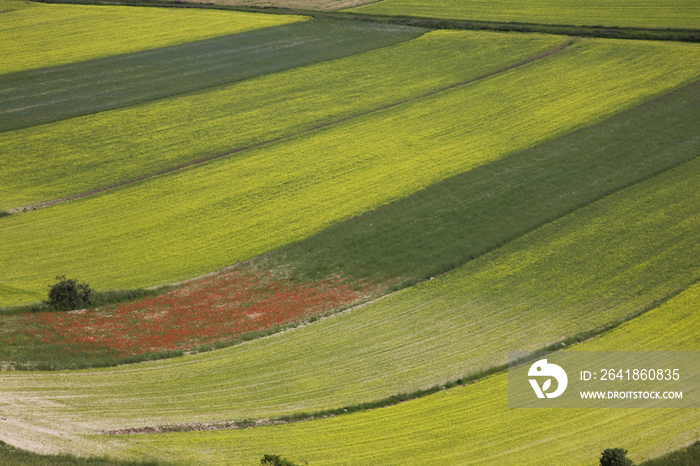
{"points": [[33, 97], [447, 224], [677, 14], [468, 425], [597, 265], [340, 224], [43, 35], [238, 207], [457, 220], [176, 131]]}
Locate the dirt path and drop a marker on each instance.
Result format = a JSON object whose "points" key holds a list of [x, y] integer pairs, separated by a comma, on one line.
{"points": [[39, 205]]}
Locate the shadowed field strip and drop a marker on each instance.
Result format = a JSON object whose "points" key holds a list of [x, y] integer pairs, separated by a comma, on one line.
{"points": [[33, 97], [194, 221], [679, 14], [88, 153], [469, 425], [614, 258], [45, 35]]}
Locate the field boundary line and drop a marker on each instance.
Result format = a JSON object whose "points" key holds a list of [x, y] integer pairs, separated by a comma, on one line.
{"points": [[210, 158]]}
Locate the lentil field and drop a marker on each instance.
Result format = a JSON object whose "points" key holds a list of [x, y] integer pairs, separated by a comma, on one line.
{"points": [[319, 236]]}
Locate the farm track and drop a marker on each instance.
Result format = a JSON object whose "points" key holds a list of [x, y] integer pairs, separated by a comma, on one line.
{"points": [[286, 137]]}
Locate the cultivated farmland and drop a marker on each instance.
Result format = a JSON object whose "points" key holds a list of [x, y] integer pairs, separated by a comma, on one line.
{"points": [[457, 223], [43, 95], [476, 418], [177, 131], [459, 324], [677, 14], [516, 191], [73, 35], [274, 194]]}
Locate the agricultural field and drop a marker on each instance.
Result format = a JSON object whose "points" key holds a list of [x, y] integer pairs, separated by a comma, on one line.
{"points": [[289, 189], [28, 44], [317, 235], [454, 326], [371, 250], [175, 129], [675, 14], [39, 96], [467, 424]]}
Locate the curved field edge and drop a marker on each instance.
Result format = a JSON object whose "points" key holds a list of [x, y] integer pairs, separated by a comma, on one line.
{"points": [[85, 32], [424, 235], [33, 97], [235, 208], [607, 261], [176, 132], [467, 425], [675, 14]]}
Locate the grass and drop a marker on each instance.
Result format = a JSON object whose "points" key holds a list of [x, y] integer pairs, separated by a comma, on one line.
{"points": [[36, 97], [617, 257], [195, 127], [238, 207], [470, 424], [440, 227], [46, 35], [677, 14]]}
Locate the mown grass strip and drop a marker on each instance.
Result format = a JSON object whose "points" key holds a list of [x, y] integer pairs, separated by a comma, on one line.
{"points": [[678, 14], [206, 218], [88, 153], [469, 424], [600, 264], [48, 35], [38, 96]]}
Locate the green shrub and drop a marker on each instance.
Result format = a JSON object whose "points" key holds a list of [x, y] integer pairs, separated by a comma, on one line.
{"points": [[69, 294], [275, 460], [615, 457]]}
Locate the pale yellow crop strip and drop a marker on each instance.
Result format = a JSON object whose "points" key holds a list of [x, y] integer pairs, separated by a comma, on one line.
{"points": [[46, 35], [195, 221]]}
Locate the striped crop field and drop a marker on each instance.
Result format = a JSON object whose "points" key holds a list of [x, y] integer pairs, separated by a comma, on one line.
{"points": [[457, 223], [612, 259], [318, 234], [676, 14], [467, 425], [176, 131], [44, 35], [38, 96], [238, 207]]}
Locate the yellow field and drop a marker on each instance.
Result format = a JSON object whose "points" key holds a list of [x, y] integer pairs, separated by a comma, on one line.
{"points": [[44, 35]]}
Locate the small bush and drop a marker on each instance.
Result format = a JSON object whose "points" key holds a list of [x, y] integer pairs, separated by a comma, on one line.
{"points": [[275, 460], [615, 457], [69, 294]]}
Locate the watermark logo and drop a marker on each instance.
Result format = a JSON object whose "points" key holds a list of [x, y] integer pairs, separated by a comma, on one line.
{"points": [[543, 369]]}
